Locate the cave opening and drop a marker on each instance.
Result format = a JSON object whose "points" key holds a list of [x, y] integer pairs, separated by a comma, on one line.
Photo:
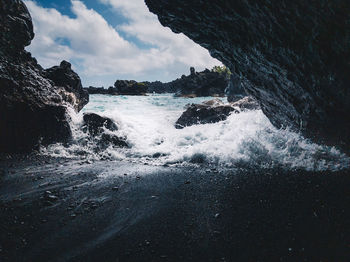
{"points": [[192, 169]]}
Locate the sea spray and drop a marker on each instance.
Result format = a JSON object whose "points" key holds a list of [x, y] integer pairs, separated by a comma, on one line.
{"points": [[247, 139]]}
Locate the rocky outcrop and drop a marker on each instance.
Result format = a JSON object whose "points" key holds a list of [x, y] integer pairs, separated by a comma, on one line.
{"points": [[96, 90], [69, 84], [129, 87], [293, 56], [206, 83], [32, 107], [159, 87], [96, 125], [196, 84], [206, 113]]}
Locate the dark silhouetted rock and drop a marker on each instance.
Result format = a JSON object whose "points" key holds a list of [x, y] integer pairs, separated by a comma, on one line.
{"points": [[129, 87], [205, 113], [96, 123], [33, 110], [213, 102], [73, 92], [205, 83], [293, 56], [159, 87], [96, 90], [192, 71]]}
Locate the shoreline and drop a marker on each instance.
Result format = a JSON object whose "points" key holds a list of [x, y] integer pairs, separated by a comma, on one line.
{"points": [[68, 210]]}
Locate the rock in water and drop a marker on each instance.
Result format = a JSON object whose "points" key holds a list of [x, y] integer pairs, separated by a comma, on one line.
{"points": [[96, 123], [32, 108], [293, 56], [208, 112]]}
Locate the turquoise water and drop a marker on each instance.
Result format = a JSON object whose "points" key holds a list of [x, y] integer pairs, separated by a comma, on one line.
{"points": [[245, 139]]}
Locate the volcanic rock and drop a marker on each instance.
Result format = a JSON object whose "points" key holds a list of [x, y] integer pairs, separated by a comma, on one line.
{"points": [[129, 87], [235, 90], [72, 91], [196, 114], [206, 83], [33, 110], [196, 84], [96, 126], [96, 90], [95, 123]]}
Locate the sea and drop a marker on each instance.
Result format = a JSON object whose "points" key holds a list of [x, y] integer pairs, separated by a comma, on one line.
{"points": [[247, 139]]}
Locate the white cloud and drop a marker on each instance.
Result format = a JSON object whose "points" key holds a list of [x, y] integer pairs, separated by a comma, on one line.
{"points": [[97, 49]]}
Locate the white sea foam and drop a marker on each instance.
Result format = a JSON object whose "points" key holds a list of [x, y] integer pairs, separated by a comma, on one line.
{"points": [[245, 139]]}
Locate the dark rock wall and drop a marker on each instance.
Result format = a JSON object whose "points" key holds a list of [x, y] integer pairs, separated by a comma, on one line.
{"points": [[32, 108], [293, 56]]}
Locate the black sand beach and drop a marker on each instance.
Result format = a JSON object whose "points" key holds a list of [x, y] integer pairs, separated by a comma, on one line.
{"points": [[69, 210]]}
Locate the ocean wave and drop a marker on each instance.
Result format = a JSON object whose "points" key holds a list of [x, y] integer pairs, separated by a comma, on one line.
{"points": [[247, 139]]}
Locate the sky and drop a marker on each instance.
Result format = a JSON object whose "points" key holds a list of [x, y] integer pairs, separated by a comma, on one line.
{"points": [[106, 40]]}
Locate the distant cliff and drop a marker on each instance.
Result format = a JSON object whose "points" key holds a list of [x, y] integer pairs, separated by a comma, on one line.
{"points": [[206, 83]]}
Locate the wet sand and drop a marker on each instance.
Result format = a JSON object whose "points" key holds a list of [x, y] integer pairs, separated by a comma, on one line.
{"points": [[69, 210]]}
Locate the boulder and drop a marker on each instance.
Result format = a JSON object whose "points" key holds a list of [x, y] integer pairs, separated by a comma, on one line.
{"points": [[33, 110], [96, 125], [292, 56], [205, 113]]}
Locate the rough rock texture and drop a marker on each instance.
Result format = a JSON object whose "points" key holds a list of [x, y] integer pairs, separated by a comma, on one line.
{"points": [[208, 112], [235, 90], [32, 107], [293, 56], [96, 125], [73, 92]]}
